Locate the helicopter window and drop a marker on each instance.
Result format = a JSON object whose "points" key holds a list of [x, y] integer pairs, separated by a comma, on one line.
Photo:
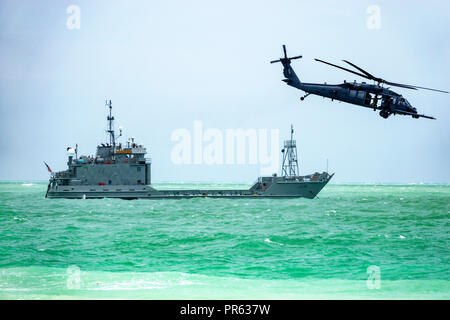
{"points": [[352, 93], [361, 94]]}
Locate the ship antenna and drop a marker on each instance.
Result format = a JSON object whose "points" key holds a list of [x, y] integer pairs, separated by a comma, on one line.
{"points": [[110, 118], [290, 162]]}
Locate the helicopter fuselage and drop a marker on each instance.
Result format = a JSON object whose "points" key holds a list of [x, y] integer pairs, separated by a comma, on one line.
{"points": [[361, 94]]}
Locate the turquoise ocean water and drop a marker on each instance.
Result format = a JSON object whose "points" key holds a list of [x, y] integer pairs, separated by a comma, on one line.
{"points": [[227, 248]]}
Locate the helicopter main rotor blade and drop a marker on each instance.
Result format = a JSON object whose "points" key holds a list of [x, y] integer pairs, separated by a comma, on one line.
{"points": [[407, 86], [348, 70], [430, 89], [363, 71], [369, 76], [372, 77]]}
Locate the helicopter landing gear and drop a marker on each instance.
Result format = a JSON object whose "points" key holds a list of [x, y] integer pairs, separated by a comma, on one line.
{"points": [[303, 98], [385, 114]]}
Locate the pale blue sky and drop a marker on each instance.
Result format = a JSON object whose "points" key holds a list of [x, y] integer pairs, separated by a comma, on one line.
{"points": [[165, 64]]}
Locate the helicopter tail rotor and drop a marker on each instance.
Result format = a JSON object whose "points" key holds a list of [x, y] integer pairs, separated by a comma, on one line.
{"points": [[285, 59], [288, 72]]}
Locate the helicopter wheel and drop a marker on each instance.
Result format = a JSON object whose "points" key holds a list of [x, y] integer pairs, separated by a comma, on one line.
{"points": [[302, 98], [384, 114]]}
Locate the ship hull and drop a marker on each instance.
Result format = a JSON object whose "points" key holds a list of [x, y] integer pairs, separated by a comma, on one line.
{"points": [[281, 189]]}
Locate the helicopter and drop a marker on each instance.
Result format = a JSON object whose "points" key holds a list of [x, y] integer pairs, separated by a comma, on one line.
{"points": [[373, 96]]}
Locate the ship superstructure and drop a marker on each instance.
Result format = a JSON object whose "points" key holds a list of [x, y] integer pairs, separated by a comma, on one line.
{"points": [[124, 171]]}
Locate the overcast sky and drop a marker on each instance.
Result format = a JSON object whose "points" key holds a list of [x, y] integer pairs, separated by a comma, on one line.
{"points": [[166, 64]]}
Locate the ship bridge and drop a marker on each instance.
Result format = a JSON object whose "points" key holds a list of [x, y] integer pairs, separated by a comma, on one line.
{"points": [[131, 152]]}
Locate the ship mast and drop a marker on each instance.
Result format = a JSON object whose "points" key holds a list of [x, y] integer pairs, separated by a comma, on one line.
{"points": [[290, 163], [110, 118]]}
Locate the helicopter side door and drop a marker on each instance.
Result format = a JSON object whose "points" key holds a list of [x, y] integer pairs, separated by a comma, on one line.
{"points": [[359, 97]]}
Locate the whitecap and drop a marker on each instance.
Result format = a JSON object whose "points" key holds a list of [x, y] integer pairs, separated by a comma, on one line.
{"points": [[27, 184], [269, 241], [402, 237]]}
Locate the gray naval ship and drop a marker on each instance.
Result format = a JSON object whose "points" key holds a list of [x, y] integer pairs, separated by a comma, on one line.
{"points": [[123, 171]]}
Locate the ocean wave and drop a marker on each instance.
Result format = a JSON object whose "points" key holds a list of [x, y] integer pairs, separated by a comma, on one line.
{"points": [[51, 283]]}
